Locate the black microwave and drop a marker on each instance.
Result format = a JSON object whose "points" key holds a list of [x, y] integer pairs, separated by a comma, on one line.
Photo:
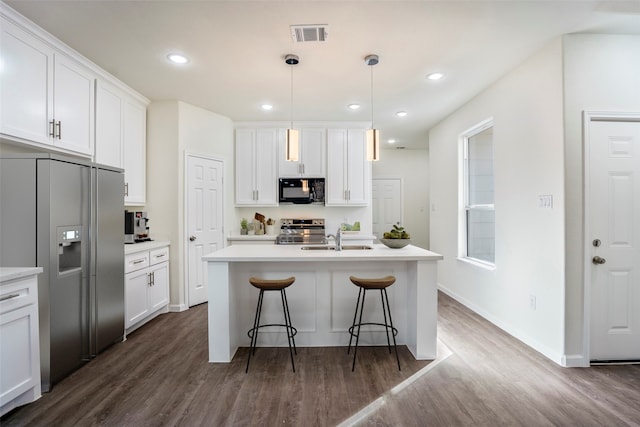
{"points": [[301, 190]]}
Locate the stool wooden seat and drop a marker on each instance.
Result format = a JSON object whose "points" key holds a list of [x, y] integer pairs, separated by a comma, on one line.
{"points": [[381, 284], [272, 285]]}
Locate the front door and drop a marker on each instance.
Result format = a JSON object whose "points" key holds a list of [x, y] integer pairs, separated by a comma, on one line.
{"points": [[386, 198], [204, 221], [614, 239]]}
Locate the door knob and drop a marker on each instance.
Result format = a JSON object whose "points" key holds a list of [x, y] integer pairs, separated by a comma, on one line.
{"points": [[192, 238], [598, 260]]}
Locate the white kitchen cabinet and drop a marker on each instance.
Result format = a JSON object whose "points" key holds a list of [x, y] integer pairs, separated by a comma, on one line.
{"points": [[135, 149], [121, 123], [313, 152], [46, 97], [19, 338], [109, 118], [256, 166], [146, 286], [348, 171]]}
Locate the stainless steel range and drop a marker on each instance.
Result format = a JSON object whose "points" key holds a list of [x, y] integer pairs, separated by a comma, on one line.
{"points": [[301, 231]]}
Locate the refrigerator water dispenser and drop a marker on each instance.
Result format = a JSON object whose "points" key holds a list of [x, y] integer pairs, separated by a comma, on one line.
{"points": [[69, 249]]}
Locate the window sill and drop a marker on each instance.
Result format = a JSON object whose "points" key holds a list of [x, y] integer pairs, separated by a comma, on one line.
{"points": [[477, 263]]}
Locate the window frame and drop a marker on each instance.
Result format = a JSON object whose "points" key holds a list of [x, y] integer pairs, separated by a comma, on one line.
{"points": [[464, 206]]}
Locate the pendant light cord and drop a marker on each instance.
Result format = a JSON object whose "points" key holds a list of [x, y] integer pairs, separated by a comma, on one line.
{"points": [[371, 66], [291, 66]]}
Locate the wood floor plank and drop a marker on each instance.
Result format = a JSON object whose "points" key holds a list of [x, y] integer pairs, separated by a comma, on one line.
{"points": [[160, 376]]}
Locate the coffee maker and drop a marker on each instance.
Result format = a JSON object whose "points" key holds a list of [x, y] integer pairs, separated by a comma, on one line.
{"points": [[135, 227]]}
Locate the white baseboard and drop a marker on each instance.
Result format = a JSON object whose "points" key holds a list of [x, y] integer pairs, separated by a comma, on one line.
{"points": [[575, 361], [177, 308], [556, 357]]}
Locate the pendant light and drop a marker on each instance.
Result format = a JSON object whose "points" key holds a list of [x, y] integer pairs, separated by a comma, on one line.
{"points": [[373, 134], [291, 141]]}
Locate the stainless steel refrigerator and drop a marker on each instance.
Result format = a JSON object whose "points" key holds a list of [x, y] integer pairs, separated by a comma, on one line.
{"points": [[65, 215]]}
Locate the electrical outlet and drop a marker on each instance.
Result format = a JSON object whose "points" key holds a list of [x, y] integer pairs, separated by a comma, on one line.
{"points": [[532, 302], [545, 201]]}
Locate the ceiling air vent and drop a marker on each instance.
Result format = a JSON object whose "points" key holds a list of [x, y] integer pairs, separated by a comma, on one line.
{"points": [[309, 33]]}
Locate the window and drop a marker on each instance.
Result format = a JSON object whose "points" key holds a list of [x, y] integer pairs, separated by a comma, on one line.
{"points": [[477, 216]]}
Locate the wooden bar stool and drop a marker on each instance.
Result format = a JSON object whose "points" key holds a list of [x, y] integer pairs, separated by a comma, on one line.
{"points": [[272, 285], [365, 285]]}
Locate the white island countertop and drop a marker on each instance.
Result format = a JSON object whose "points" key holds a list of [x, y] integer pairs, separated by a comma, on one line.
{"points": [[322, 299], [295, 253]]}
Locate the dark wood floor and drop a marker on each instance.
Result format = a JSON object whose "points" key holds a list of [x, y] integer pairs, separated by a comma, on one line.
{"points": [[482, 376]]}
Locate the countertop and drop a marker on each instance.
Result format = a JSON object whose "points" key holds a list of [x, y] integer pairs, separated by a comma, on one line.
{"points": [[12, 273], [254, 237], [294, 253], [145, 246], [262, 237]]}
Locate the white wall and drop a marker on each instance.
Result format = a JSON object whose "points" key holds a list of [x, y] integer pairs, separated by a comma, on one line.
{"points": [[412, 166], [173, 129], [602, 73], [526, 105]]}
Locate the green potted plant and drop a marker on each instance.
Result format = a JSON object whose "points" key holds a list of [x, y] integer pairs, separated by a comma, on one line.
{"points": [[244, 226]]}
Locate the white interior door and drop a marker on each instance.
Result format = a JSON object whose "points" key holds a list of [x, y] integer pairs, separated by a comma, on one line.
{"points": [[204, 213], [614, 239], [386, 196]]}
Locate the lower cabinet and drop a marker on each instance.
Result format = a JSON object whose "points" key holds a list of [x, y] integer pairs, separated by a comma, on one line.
{"points": [[146, 286], [19, 342]]}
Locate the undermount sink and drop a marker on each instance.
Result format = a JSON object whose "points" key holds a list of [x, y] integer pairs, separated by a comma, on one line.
{"points": [[333, 248]]}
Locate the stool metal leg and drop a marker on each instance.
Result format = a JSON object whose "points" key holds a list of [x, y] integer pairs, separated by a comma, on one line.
{"points": [[353, 325], [254, 330], [287, 321], [386, 325], [392, 330], [355, 350]]}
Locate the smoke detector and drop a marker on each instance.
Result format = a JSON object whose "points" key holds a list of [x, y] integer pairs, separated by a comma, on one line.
{"points": [[309, 33]]}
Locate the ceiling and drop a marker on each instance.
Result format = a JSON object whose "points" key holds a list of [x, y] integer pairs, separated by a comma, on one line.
{"points": [[237, 48]]}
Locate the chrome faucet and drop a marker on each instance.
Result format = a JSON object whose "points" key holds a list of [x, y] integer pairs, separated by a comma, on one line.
{"points": [[337, 238]]}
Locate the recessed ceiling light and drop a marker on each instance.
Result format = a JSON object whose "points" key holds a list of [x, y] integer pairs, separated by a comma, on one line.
{"points": [[401, 113], [392, 141], [353, 106], [266, 107], [435, 76], [176, 58]]}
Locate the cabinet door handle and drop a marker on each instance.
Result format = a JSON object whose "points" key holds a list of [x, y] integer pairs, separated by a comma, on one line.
{"points": [[126, 189], [59, 126], [162, 255], [52, 132], [138, 261], [8, 297], [153, 278]]}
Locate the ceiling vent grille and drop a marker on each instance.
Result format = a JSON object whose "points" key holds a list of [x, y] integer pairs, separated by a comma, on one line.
{"points": [[309, 33]]}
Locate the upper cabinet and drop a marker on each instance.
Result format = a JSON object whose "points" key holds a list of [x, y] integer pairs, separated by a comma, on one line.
{"points": [[312, 157], [45, 96], [256, 166], [134, 124], [121, 127], [348, 171], [109, 118]]}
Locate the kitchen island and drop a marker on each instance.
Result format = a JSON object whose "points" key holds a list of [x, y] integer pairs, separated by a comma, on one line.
{"points": [[322, 300]]}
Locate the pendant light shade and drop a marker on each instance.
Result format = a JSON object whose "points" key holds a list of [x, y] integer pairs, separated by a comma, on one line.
{"points": [[293, 145], [373, 145], [373, 134], [291, 140]]}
